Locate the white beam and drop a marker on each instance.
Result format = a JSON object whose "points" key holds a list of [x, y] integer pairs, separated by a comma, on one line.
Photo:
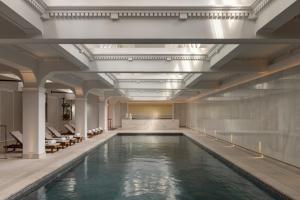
{"points": [[226, 53], [277, 14], [22, 15], [63, 30], [73, 54]]}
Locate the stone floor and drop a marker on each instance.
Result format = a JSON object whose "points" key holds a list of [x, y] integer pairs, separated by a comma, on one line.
{"points": [[17, 173], [280, 176]]}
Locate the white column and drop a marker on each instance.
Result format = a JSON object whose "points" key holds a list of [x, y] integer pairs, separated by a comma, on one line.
{"points": [[103, 109], [33, 123], [81, 116]]}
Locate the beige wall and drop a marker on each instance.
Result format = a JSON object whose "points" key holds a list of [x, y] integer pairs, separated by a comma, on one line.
{"points": [[150, 110]]}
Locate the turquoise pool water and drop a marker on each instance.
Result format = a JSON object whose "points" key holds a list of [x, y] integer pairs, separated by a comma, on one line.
{"points": [[150, 167]]}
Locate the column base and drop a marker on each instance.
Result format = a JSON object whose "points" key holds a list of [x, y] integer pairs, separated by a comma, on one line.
{"points": [[34, 156]]}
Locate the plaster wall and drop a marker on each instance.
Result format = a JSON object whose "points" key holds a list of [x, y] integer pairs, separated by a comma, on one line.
{"points": [[54, 111], [10, 109], [92, 111], [180, 113], [273, 120], [116, 115]]}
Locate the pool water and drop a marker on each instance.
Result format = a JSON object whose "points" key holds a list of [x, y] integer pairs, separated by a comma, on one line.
{"points": [[150, 167]]}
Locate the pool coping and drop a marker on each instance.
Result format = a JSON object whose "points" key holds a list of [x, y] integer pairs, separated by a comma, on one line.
{"points": [[269, 188], [190, 134]]}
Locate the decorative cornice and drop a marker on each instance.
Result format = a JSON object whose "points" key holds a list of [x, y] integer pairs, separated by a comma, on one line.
{"points": [[86, 52], [83, 50], [150, 57], [215, 50], [259, 5], [39, 5], [114, 14], [183, 13]]}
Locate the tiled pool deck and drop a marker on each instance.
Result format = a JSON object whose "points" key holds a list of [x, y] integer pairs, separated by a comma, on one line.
{"points": [[17, 174]]}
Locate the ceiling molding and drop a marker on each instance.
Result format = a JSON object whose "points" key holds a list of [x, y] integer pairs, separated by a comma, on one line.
{"points": [[39, 5], [215, 50], [259, 5], [115, 14], [182, 13], [85, 51], [150, 57]]}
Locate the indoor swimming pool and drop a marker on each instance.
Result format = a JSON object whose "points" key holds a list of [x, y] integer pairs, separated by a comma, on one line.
{"points": [[154, 167]]}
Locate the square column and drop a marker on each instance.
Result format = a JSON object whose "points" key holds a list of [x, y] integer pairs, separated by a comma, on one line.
{"points": [[103, 114], [81, 116], [34, 100]]}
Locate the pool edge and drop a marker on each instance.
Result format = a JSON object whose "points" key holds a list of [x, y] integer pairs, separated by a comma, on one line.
{"points": [[55, 173], [244, 172], [72, 163]]}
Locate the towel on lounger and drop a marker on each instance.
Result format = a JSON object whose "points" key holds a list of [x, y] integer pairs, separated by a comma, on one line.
{"points": [[69, 137], [77, 134], [50, 141], [63, 139]]}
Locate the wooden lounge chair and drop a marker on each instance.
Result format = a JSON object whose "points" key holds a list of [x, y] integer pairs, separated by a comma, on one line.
{"points": [[19, 138], [90, 133], [100, 129], [63, 141], [72, 125], [96, 131], [71, 131], [57, 134], [52, 146]]}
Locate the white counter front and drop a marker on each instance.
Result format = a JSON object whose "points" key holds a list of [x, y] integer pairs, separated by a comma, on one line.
{"points": [[150, 124]]}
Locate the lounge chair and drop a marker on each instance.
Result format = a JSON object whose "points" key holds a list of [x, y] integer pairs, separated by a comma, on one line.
{"points": [[57, 134], [62, 140], [100, 129], [72, 125], [19, 138], [52, 144], [96, 131], [91, 133], [71, 131]]}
